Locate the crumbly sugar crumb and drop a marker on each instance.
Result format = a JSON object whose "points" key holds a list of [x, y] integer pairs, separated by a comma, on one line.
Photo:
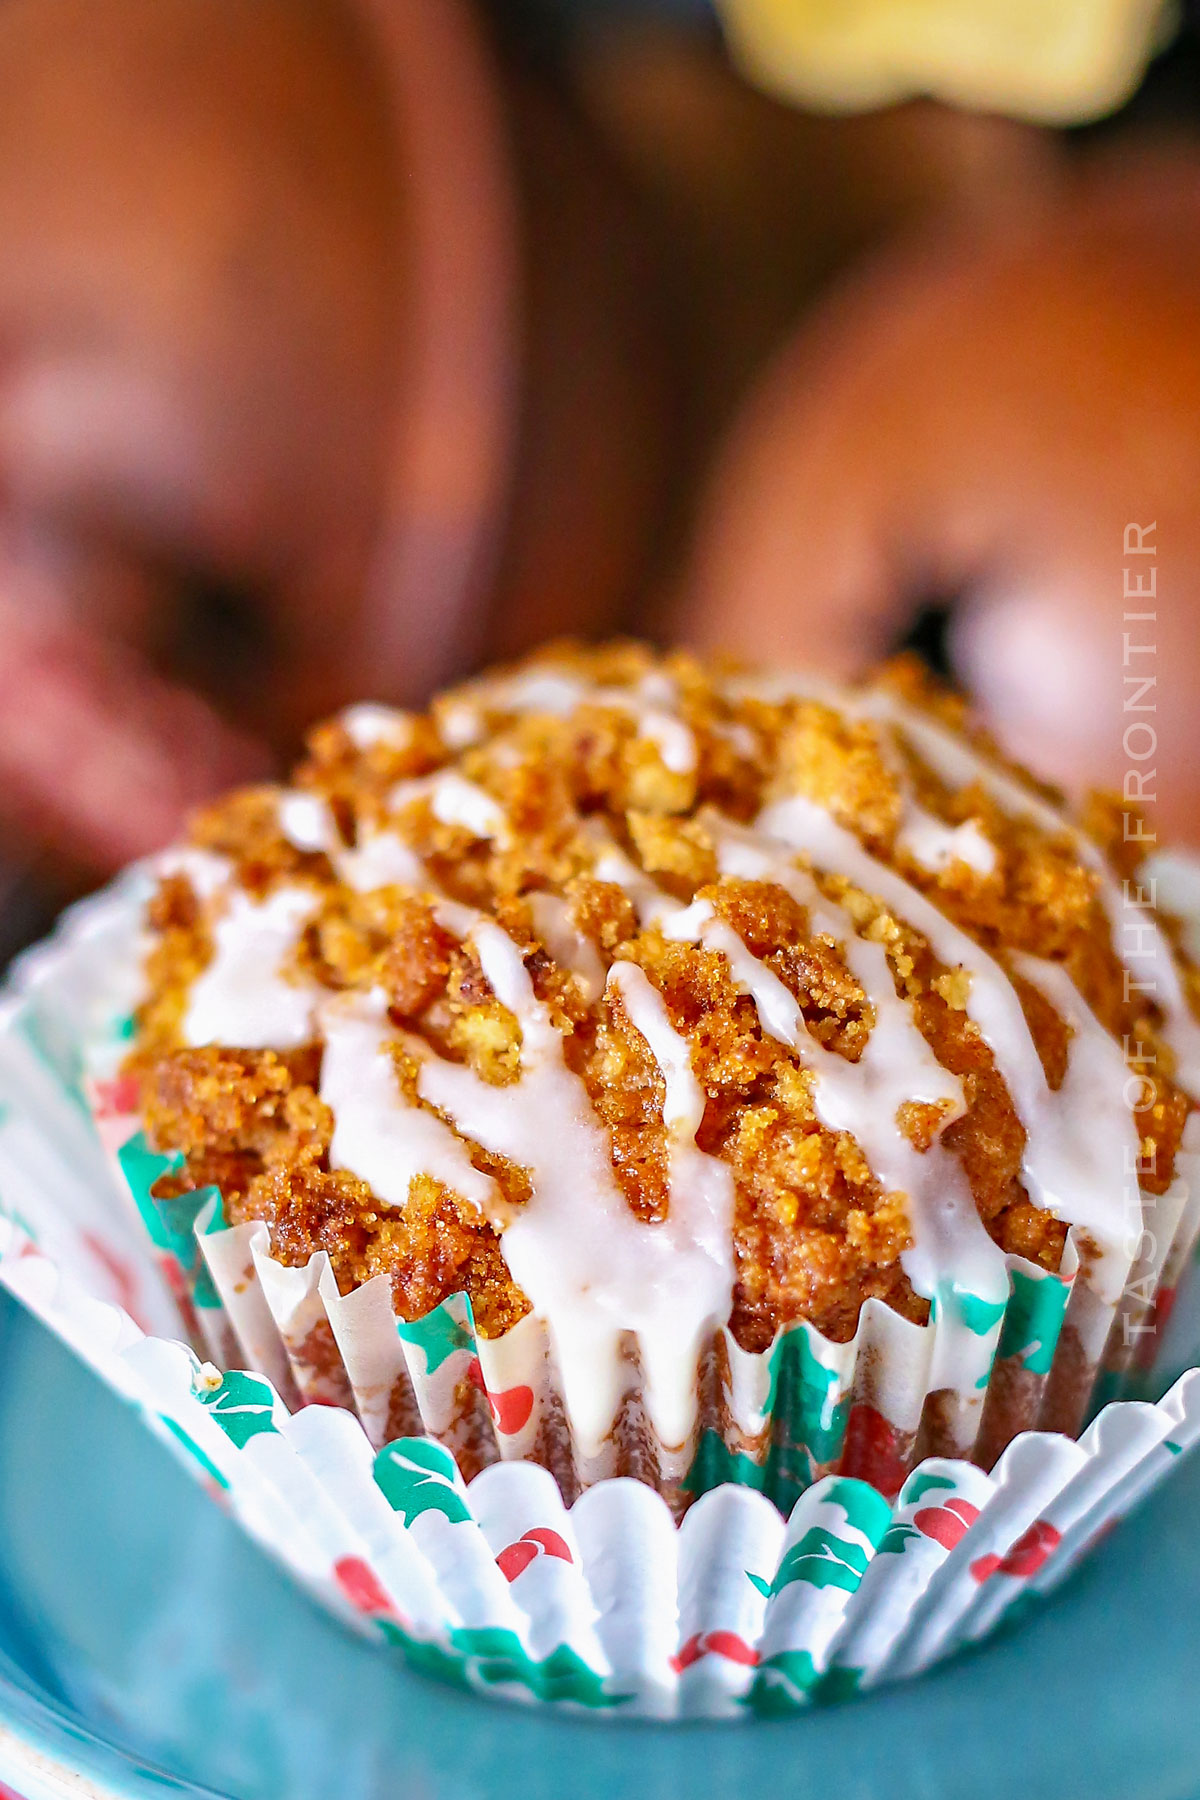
{"points": [[634, 763]]}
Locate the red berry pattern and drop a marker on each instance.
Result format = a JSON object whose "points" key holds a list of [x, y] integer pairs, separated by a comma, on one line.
{"points": [[714, 1643], [1026, 1556], [362, 1587], [511, 1409], [873, 1451], [514, 1559], [946, 1524]]}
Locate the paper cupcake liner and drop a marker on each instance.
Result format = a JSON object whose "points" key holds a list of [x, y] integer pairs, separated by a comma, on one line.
{"points": [[777, 1421], [608, 1606], [964, 1385], [892, 1555]]}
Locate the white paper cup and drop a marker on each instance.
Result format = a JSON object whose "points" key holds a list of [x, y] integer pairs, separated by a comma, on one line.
{"points": [[508, 1582]]}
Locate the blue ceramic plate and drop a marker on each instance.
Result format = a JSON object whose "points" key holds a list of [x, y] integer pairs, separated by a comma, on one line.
{"points": [[147, 1649]]}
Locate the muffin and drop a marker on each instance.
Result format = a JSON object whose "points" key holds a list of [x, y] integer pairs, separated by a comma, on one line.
{"points": [[647, 1068]]}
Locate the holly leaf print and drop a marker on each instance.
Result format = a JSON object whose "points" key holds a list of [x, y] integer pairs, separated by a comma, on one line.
{"points": [[807, 1397], [243, 1405], [417, 1475], [822, 1559], [920, 1483], [438, 1336]]}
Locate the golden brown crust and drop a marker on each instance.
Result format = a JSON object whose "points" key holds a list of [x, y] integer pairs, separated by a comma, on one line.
{"points": [[814, 1232]]}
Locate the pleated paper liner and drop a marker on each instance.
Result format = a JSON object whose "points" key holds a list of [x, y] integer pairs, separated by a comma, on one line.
{"points": [[892, 1556], [775, 1421], [607, 1605], [963, 1386]]}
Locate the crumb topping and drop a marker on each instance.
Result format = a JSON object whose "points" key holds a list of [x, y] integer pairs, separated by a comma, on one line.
{"points": [[821, 997]]}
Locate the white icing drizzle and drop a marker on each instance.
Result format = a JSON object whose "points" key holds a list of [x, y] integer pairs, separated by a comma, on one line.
{"points": [[700, 1186], [1174, 881], [1138, 939], [571, 948], [460, 724], [556, 692], [936, 845], [306, 821], [1058, 1126], [206, 873], [1061, 1170], [454, 800], [656, 697], [241, 998], [738, 736], [777, 1009], [1096, 1077], [591, 1269], [929, 840], [781, 685], [378, 1135], [683, 1097], [860, 1098], [864, 1098], [456, 918], [366, 725], [611, 864], [381, 859]]}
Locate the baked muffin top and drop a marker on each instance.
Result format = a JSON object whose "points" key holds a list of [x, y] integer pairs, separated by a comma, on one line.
{"points": [[653, 996]]}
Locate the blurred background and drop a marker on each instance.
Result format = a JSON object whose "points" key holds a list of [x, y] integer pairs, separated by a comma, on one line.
{"points": [[348, 344]]}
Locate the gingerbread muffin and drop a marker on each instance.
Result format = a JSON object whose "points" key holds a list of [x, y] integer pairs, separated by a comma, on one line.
{"points": [[674, 1016]]}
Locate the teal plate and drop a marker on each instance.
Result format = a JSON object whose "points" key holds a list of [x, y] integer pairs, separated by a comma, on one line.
{"points": [[146, 1648]]}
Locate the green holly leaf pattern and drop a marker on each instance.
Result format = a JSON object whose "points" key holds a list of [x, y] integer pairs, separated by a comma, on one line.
{"points": [[57, 1049], [489, 1656], [783, 1684], [805, 1397], [142, 1167], [193, 1449], [1034, 1320], [439, 1334], [921, 1483], [808, 1414], [172, 1223], [980, 1316], [17, 1218], [182, 1221], [789, 1681], [783, 1477], [715, 1463], [841, 1682], [866, 1510], [895, 1538], [824, 1557], [822, 1560], [243, 1405], [958, 1307], [417, 1475], [790, 1472]]}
